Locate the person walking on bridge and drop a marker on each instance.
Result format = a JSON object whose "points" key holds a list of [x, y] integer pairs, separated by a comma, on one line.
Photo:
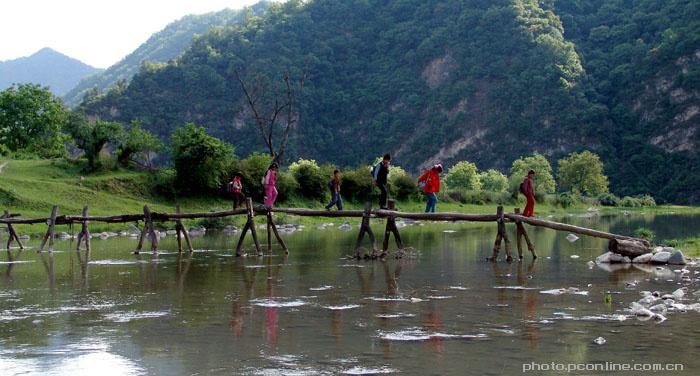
{"points": [[527, 188], [235, 188], [334, 186], [380, 175], [269, 181], [429, 183]]}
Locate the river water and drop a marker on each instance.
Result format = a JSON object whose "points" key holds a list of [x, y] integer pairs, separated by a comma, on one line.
{"points": [[440, 310]]}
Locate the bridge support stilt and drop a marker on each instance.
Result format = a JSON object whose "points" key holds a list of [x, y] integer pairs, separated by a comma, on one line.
{"points": [[391, 229], [249, 225], [501, 236], [521, 233], [366, 229]]}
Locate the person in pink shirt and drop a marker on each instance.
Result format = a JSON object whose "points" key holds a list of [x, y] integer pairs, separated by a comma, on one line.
{"points": [[270, 183]]}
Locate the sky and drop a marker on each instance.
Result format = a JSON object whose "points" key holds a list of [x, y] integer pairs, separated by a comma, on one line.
{"points": [[97, 32]]}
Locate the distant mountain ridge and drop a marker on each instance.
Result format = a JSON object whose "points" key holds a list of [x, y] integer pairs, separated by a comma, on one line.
{"points": [[46, 67], [161, 47]]}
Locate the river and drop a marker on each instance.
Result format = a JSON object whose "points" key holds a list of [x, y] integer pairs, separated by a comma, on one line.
{"points": [[440, 310]]}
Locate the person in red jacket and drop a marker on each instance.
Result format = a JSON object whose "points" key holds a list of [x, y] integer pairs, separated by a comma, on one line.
{"points": [[429, 182], [527, 187]]}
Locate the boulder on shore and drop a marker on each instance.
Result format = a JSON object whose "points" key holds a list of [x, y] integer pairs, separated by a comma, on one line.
{"points": [[677, 258], [660, 257]]}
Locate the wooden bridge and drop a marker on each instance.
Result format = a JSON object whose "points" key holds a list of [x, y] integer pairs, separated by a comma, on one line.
{"points": [[148, 232]]}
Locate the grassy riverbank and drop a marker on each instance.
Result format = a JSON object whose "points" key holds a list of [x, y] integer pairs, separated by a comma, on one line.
{"points": [[31, 187]]}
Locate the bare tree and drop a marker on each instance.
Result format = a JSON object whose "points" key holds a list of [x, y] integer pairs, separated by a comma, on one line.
{"points": [[272, 106]]}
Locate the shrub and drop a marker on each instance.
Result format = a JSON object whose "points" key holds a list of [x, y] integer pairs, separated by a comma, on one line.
{"points": [[644, 233], [312, 182], [404, 188], [287, 186], [356, 185], [646, 200], [216, 223], [630, 202], [566, 200], [493, 181], [201, 161], [463, 175], [609, 199], [583, 172], [162, 183]]}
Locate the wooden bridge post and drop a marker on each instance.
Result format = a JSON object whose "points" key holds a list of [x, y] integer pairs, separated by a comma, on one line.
{"points": [[521, 233], [148, 230], [12, 234], [271, 226], [181, 232], [249, 225], [391, 228], [365, 228], [50, 230], [501, 235], [84, 232]]}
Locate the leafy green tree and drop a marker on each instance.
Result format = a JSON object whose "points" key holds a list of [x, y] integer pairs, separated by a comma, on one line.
{"points": [[582, 173], [544, 181], [31, 119], [312, 181], [201, 161], [92, 136], [463, 175], [493, 181], [137, 146]]}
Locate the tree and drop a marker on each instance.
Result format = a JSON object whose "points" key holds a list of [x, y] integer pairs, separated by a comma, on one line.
{"points": [[311, 180], [92, 136], [544, 181], [267, 104], [493, 181], [582, 173], [137, 146], [31, 119], [463, 175], [201, 161]]}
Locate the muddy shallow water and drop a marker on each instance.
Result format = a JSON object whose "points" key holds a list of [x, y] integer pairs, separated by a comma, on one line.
{"points": [[441, 310]]}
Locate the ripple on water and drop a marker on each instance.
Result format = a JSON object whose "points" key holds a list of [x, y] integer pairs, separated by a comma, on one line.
{"points": [[394, 315], [117, 262], [16, 262], [320, 288], [418, 334], [278, 303], [131, 315], [359, 370], [342, 307]]}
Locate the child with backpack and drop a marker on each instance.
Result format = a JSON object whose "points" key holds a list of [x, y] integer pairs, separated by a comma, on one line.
{"points": [[334, 186], [429, 182], [269, 181], [235, 188]]}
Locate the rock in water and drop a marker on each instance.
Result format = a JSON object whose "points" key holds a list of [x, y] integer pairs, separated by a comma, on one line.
{"points": [[677, 258], [643, 259], [571, 238], [660, 257], [599, 341]]}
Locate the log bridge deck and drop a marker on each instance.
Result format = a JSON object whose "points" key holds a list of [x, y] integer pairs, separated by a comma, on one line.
{"points": [[148, 232]]}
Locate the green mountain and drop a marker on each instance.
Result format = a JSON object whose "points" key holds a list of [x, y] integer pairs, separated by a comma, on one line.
{"points": [[45, 67], [486, 81], [161, 47]]}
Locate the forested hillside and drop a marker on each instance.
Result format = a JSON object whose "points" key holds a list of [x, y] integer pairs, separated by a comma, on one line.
{"points": [[45, 67], [163, 46], [448, 80]]}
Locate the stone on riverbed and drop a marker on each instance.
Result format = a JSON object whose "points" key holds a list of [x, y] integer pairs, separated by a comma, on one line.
{"points": [[612, 258], [660, 257], [677, 258], [643, 259]]}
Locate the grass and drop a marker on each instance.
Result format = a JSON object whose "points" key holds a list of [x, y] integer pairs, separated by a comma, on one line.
{"points": [[689, 246], [32, 187]]}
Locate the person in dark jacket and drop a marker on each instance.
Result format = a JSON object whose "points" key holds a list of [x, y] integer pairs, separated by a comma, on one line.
{"points": [[381, 177], [527, 187], [334, 186], [429, 182], [235, 188]]}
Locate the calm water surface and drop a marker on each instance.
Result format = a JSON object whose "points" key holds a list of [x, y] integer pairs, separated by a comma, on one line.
{"points": [[441, 311]]}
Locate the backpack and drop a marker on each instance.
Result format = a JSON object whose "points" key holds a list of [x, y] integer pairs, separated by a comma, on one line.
{"points": [[375, 171], [229, 189], [522, 188], [331, 186], [264, 178]]}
